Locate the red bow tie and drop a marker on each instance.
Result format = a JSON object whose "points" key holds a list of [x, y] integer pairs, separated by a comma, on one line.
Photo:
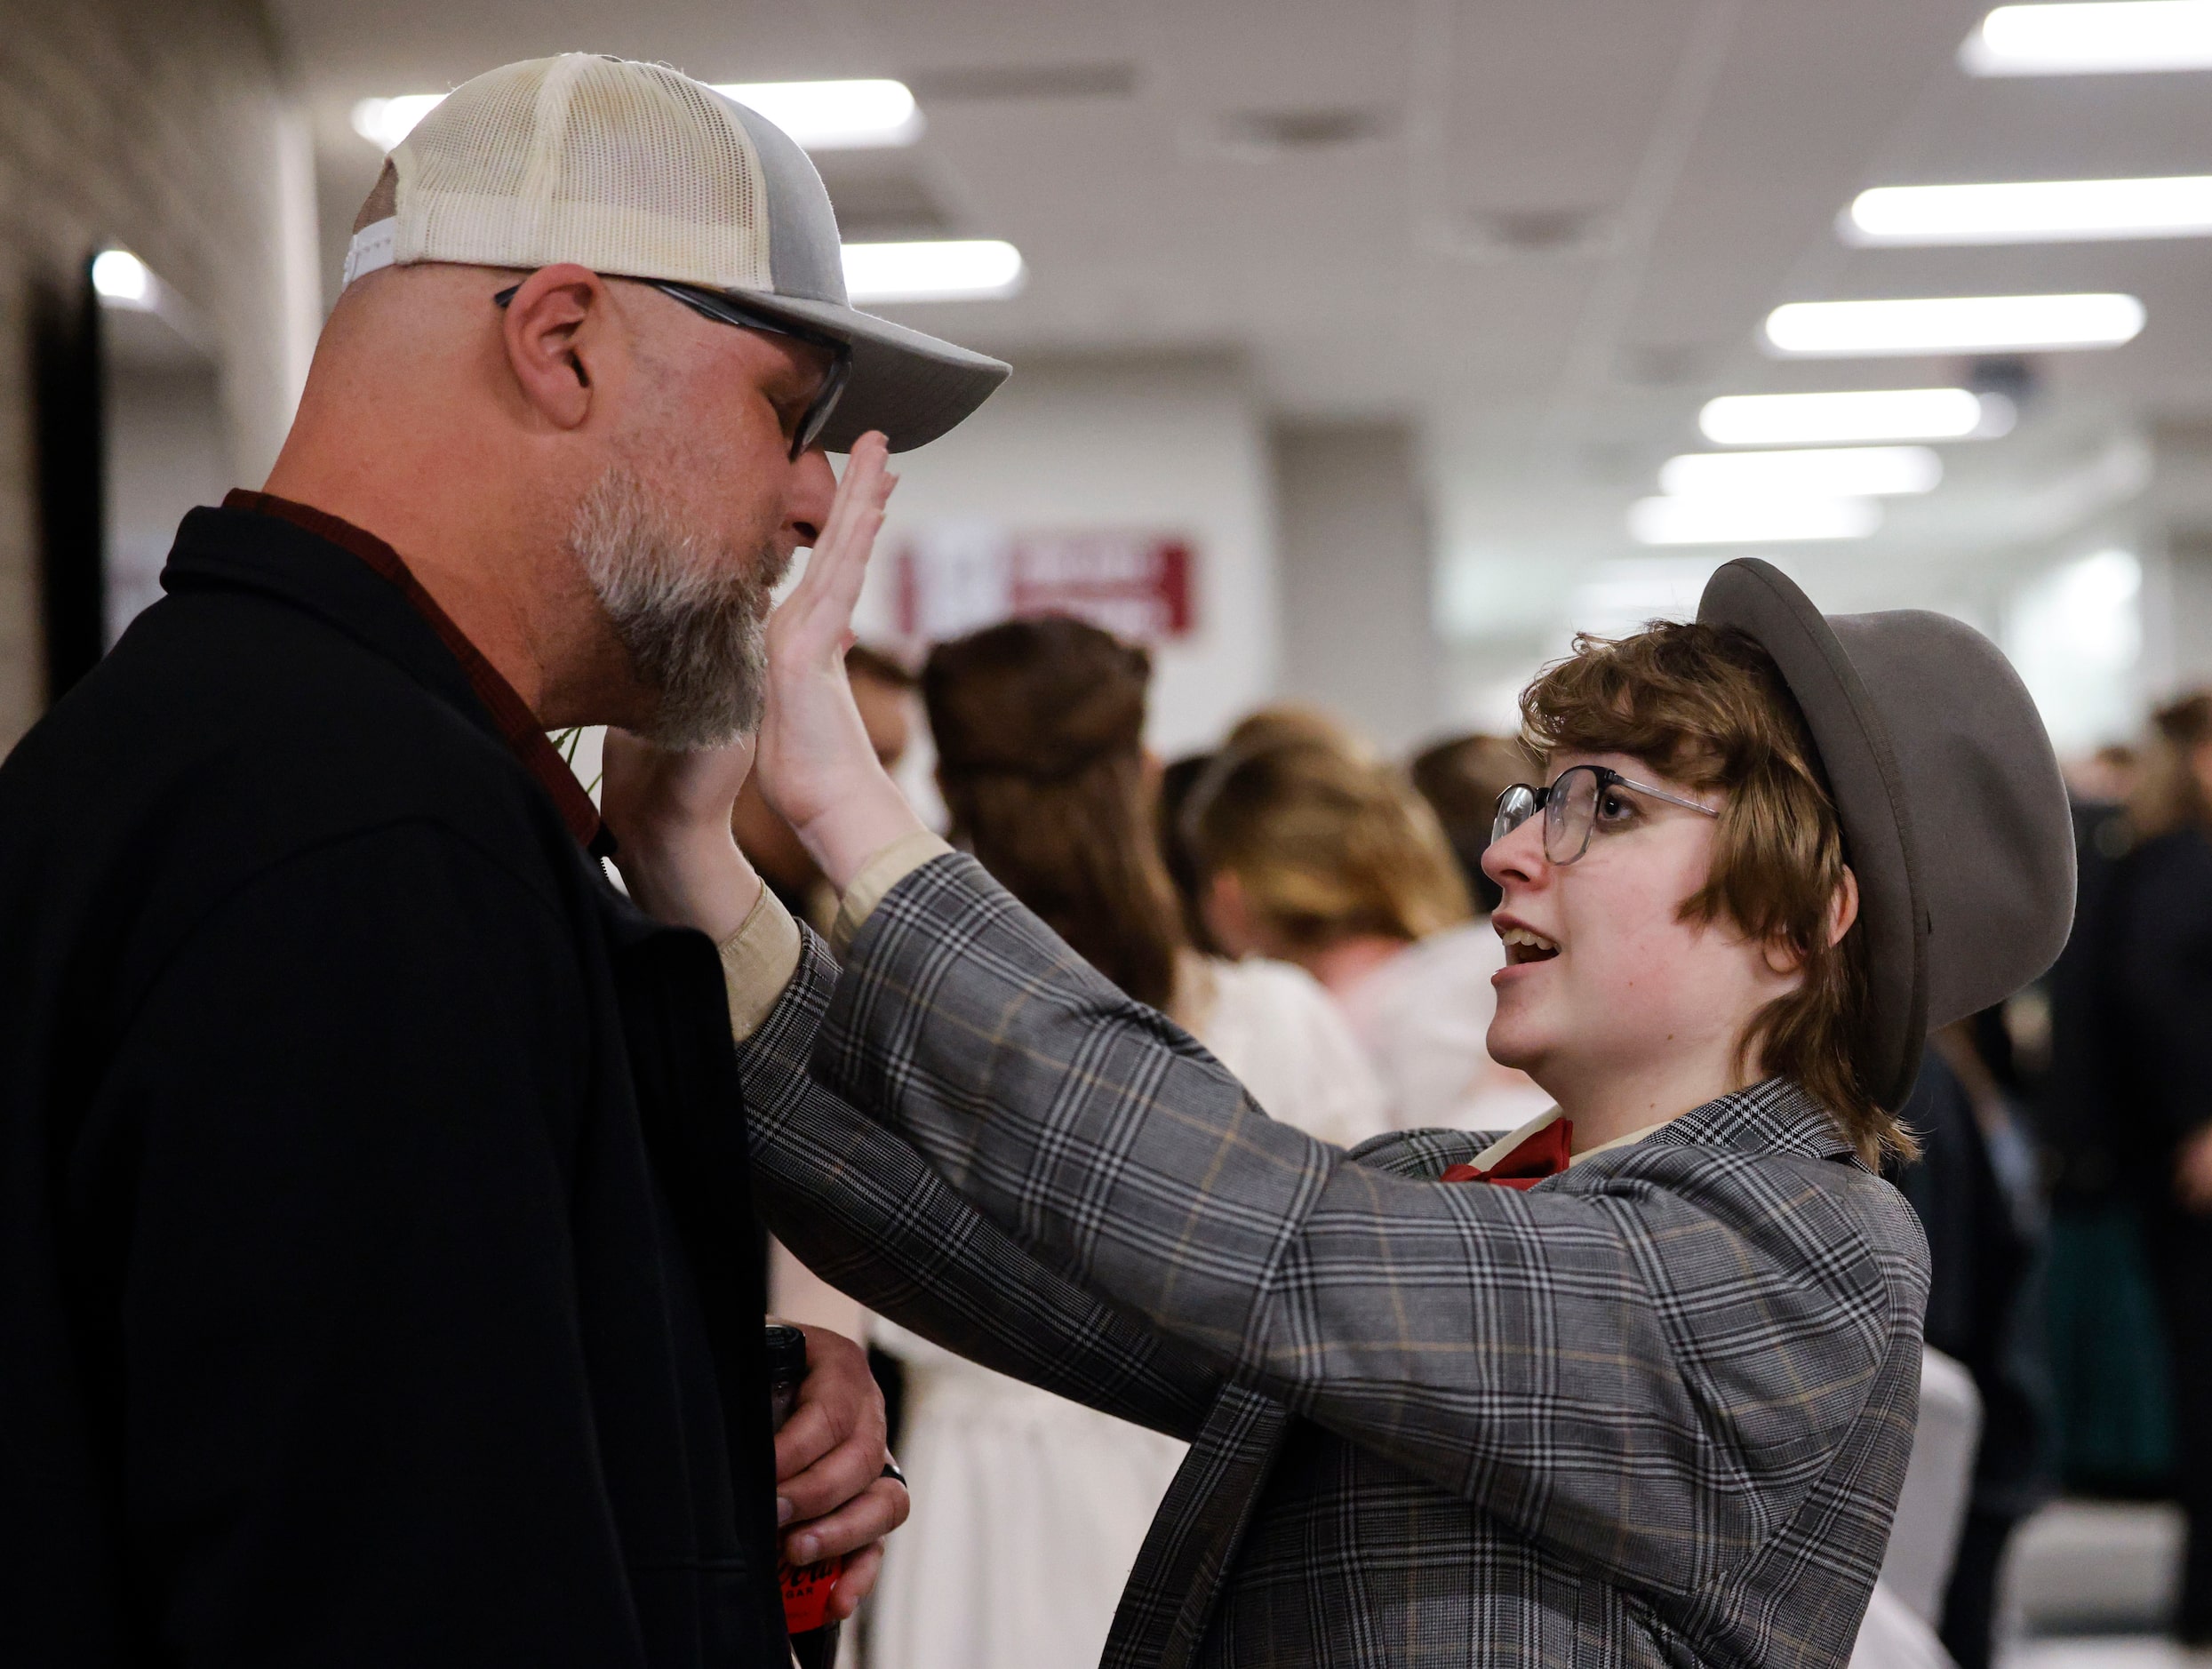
{"points": [[1544, 1155]]}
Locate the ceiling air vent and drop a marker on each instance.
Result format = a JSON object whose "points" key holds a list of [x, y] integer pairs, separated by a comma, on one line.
{"points": [[1525, 233], [1266, 136], [1667, 364]]}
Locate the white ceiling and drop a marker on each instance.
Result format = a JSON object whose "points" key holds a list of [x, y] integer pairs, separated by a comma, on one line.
{"points": [[1545, 230]]}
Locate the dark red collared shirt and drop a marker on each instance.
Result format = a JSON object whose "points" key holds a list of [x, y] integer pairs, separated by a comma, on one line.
{"points": [[517, 723]]}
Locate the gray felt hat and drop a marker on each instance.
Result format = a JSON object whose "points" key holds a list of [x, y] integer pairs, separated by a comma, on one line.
{"points": [[638, 172], [1954, 816]]}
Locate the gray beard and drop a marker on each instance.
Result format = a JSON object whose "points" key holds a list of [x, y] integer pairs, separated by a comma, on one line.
{"points": [[689, 611]]}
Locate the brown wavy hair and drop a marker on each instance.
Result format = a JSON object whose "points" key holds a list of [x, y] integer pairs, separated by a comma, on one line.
{"points": [[1039, 726], [1328, 844], [1706, 706]]}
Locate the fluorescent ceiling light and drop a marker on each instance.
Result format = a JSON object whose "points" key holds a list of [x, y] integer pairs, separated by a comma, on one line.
{"points": [[1815, 473], [821, 115], [1953, 325], [121, 280], [2113, 37], [384, 122], [2033, 212], [831, 115], [1832, 419], [1750, 520], [961, 270]]}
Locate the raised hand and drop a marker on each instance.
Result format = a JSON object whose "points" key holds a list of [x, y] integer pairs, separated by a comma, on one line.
{"points": [[817, 767]]}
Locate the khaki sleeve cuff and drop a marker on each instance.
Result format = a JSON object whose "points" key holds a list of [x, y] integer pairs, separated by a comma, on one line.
{"points": [[757, 963], [878, 877]]}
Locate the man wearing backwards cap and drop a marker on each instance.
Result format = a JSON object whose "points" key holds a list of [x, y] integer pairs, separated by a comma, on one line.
{"points": [[1635, 1385], [379, 1280]]}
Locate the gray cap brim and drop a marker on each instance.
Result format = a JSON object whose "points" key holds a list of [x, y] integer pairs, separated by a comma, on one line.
{"points": [[914, 388]]}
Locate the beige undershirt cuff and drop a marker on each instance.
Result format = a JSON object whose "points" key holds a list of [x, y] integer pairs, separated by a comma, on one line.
{"points": [[757, 963], [878, 877]]}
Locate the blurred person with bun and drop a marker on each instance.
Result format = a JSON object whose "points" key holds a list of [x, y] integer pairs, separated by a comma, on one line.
{"points": [[1315, 854], [1294, 722], [2159, 984], [883, 691], [1030, 1509], [1285, 722]]}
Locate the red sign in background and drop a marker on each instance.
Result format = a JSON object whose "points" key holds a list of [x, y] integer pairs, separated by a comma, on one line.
{"points": [[1139, 585]]}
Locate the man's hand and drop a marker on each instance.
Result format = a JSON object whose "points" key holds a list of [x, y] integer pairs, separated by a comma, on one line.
{"points": [[817, 767], [670, 814], [830, 1491], [2193, 1169]]}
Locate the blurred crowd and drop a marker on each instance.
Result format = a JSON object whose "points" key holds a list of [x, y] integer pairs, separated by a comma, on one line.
{"points": [[1315, 914]]}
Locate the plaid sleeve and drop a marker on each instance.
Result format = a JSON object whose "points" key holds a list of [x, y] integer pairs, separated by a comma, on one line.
{"points": [[1647, 1362], [860, 1207]]}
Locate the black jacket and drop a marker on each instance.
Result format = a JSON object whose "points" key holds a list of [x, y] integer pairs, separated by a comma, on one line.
{"points": [[2160, 980], [2075, 1101], [377, 1270]]}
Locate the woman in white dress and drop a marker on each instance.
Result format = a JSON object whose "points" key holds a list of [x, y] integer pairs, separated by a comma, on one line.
{"points": [[1029, 1510]]}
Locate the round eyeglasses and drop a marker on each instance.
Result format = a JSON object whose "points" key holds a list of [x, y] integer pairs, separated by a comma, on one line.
{"points": [[1574, 805]]}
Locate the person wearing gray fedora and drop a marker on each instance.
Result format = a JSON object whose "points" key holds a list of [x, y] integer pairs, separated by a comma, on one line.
{"points": [[1950, 797], [1635, 1384]]}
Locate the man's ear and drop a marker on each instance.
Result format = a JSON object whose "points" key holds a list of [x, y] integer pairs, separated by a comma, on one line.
{"points": [[553, 329], [1843, 908]]}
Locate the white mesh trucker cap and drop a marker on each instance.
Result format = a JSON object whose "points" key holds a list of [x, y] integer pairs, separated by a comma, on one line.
{"points": [[638, 172]]}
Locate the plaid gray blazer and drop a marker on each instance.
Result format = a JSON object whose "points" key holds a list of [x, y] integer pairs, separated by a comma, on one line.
{"points": [[1655, 1410], [862, 1210]]}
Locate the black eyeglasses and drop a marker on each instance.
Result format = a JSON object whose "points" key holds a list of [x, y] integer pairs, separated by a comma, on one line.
{"points": [[1570, 806], [713, 305]]}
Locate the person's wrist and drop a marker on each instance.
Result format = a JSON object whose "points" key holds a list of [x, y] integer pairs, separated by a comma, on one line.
{"points": [[694, 876], [857, 825]]}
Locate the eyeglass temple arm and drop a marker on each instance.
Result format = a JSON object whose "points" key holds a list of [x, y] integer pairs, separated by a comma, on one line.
{"points": [[1661, 794]]}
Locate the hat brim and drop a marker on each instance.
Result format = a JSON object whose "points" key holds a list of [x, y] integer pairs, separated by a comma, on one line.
{"points": [[911, 385], [1860, 761]]}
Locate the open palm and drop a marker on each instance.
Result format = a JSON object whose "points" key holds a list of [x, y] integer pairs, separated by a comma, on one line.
{"points": [[817, 765]]}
